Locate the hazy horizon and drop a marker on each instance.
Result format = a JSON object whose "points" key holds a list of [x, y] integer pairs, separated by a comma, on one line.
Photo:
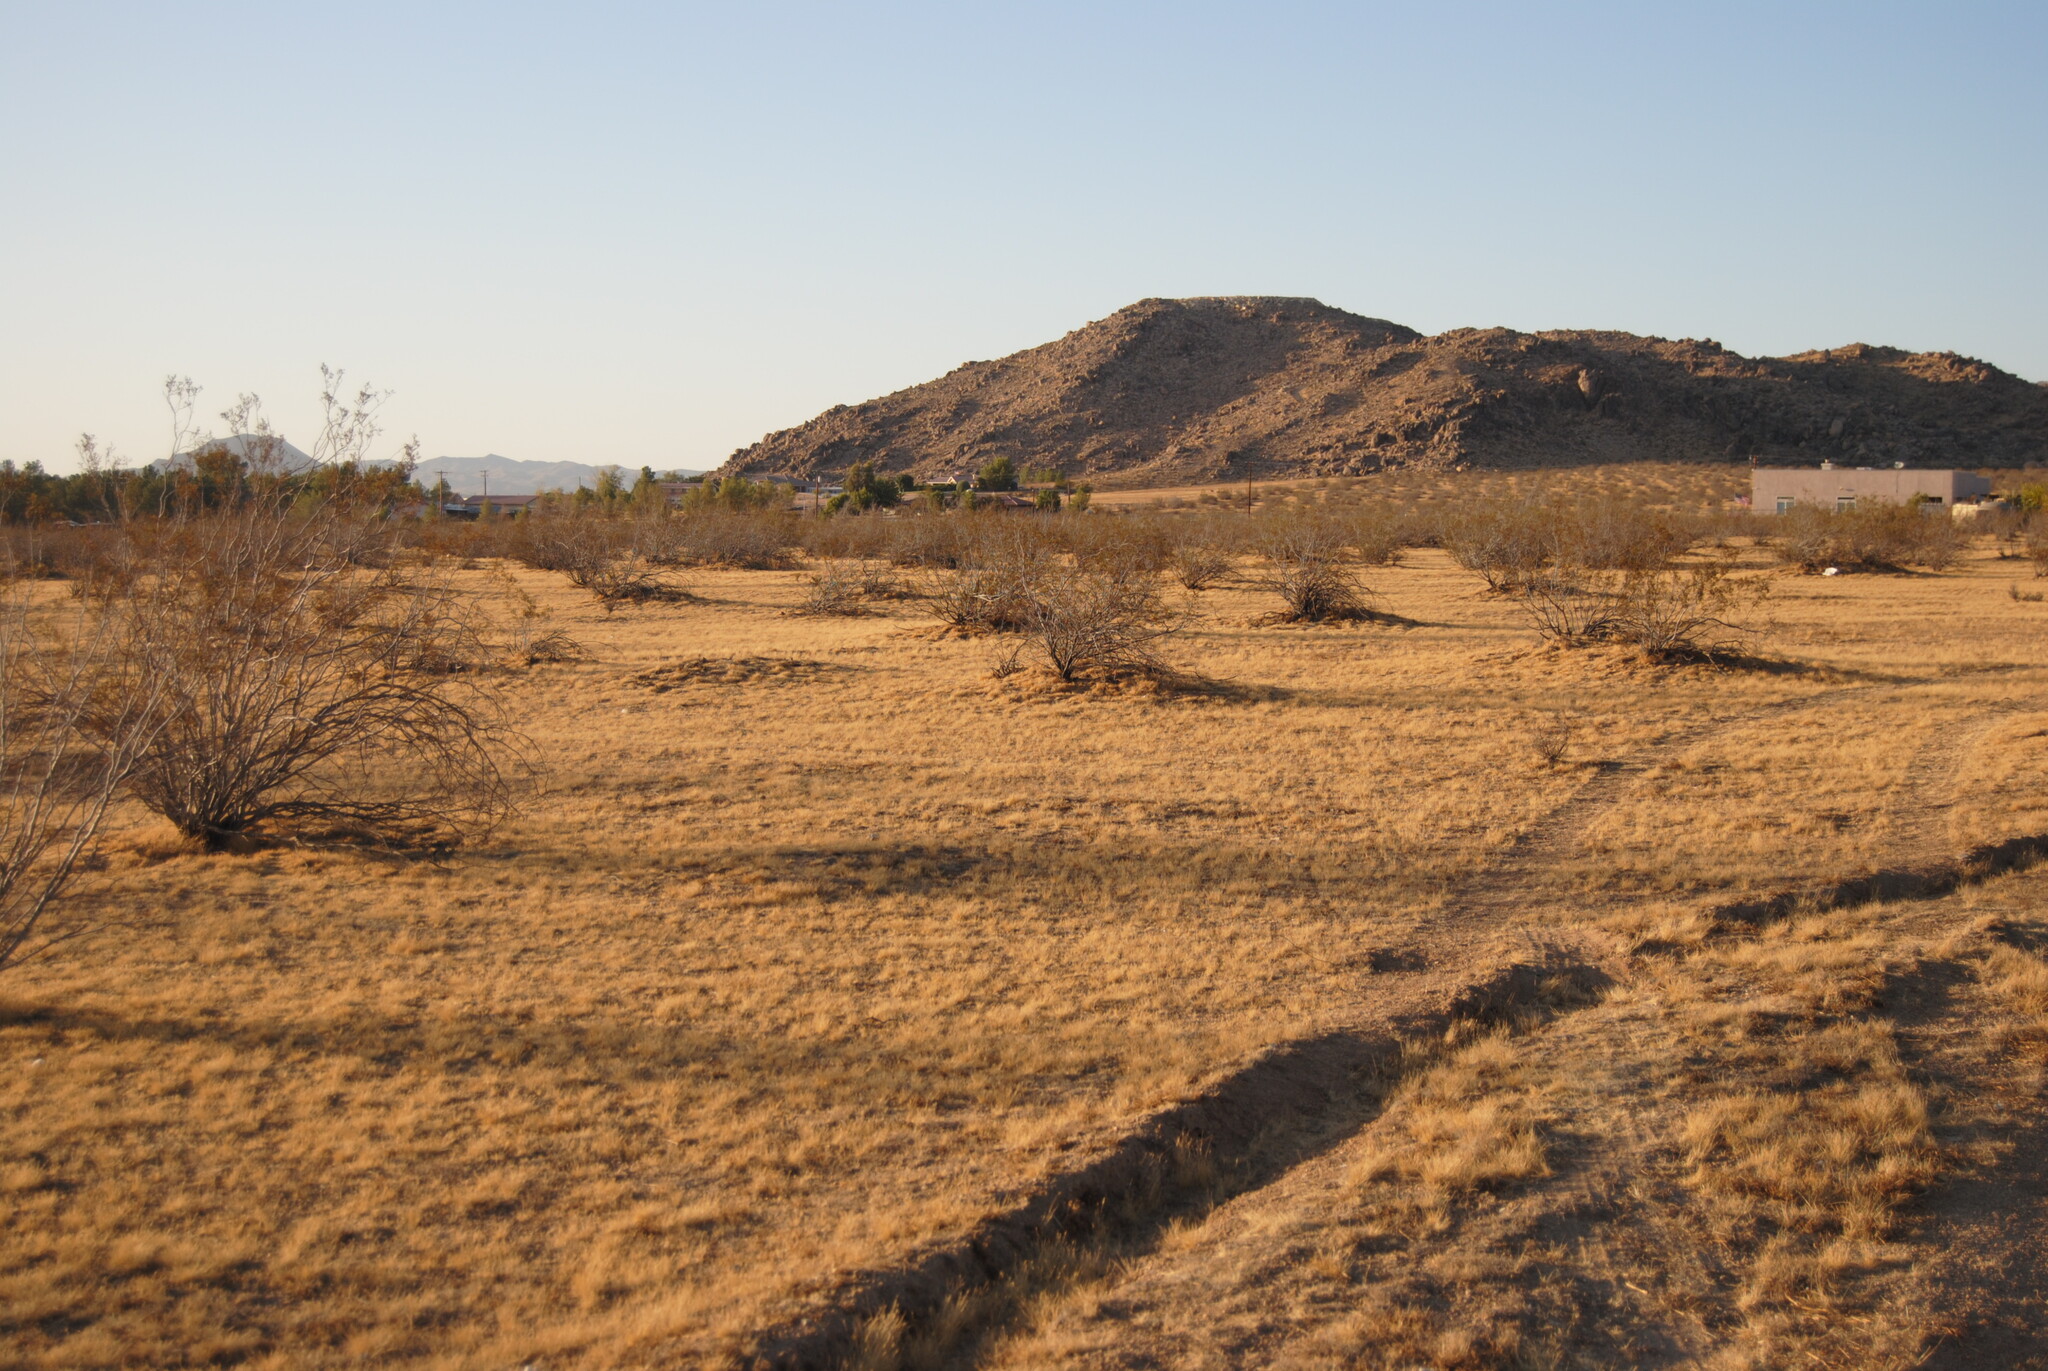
{"points": [[649, 235]]}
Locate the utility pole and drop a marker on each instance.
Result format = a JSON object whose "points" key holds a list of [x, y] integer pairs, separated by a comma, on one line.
{"points": [[485, 511], [440, 492]]}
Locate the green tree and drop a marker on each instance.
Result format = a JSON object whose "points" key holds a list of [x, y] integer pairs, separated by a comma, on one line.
{"points": [[866, 490], [999, 474], [646, 490]]}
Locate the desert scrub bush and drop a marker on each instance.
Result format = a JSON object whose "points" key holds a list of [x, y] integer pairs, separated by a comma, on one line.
{"points": [[1881, 537], [1198, 566], [1089, 623], [834, 590], [928, 540], [982, 599], [1001, 561], [1116, 545], [744, 539], [289, 682], [1308, 565], [1675, 614], [2037, 543], [628, 578], [1503, 541], [602, 556], [1618, 535], [57, 777], [1377, 534]]}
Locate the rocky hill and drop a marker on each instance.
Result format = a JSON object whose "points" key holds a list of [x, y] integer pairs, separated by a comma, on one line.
{"points": [[1175, 391]]}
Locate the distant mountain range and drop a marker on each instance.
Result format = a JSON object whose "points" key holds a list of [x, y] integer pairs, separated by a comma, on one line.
{"points": [[510, 476], [1166, 392], [466, 475]]}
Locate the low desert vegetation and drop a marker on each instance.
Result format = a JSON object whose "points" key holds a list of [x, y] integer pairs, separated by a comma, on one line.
{"points": [[295, 670], [1868, 538], [819, 949]]}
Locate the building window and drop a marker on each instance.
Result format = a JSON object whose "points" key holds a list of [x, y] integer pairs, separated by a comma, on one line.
{"points": [[1843, 502], [1785, 503]]}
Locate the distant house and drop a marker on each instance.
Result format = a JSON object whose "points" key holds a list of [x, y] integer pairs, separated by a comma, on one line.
{"points": [[1780, 490], [472, 506]]}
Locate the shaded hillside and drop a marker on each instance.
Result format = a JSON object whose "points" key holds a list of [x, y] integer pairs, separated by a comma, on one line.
{"points": [[1172, 391]]}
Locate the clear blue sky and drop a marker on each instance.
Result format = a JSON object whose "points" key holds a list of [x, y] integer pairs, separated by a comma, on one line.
{"points": [[650, 233]]}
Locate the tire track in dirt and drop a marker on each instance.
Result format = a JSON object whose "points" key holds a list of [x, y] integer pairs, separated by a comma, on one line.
{"points": [[1266, 1132], [1220, 1297]]}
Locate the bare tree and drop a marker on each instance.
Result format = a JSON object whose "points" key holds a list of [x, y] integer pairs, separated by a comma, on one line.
{"points": [[297, 674], [56, 780], [1094, 623], [1309, 567]]}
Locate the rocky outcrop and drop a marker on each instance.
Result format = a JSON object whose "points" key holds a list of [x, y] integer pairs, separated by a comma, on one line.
{"points": [[1176, 391]]}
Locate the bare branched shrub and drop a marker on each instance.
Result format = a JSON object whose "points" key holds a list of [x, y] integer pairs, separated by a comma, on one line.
{"points": [[1881, 537], [1669, 615], [56, 779], [930, 540], [602, 556], [1552, 736], [291, 684], [1198, 565], [834, 591], [748, 540], [1308, 565], [628, 578], [531, 641], [1377, 535], [983, 599], [1567, 605], [1087, 623], [991, 592], [1686, 613], [1509, 541], [1504, 541], [2037, 543], [1117, 545], [1618, 535]]}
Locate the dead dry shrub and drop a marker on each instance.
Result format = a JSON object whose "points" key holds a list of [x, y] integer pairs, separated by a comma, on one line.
{"points": [[1881, 538], [1503, 541], [1378, 534], [604, 557], [1091, 624], [1618, 535], [1199, 565], [1552, 736], [529, 641], [833, 591], [1116, 545], [992, 590], [930, 540], [1676, 614], [2037, 543], [743, 539], [1511, 542], [629, 579], [56, 776], [288, 683], [1308, 565]]}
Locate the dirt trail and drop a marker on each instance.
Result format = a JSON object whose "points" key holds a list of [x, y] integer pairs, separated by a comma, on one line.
{"points": [[1222, 1296], [1272, 1132]]}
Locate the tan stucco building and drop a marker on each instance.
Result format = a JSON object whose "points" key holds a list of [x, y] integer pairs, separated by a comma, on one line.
{"points": [[1776, 490]]}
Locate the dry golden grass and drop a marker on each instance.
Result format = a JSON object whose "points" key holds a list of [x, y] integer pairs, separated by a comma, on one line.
{"points": [[821, 944]]}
